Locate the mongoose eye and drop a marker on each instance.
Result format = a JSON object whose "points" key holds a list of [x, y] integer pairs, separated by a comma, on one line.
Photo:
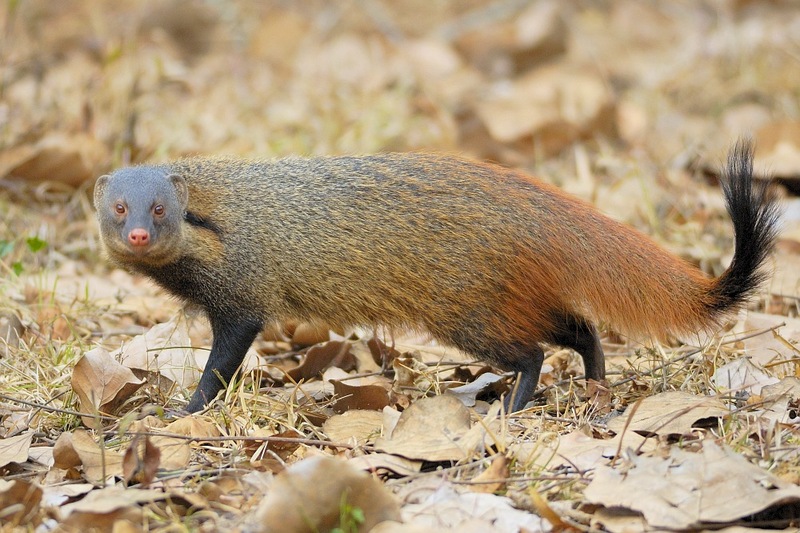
{"points": [[158, 210], [120, 208]]}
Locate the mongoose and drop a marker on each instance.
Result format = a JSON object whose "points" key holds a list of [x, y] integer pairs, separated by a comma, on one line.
{"points": [[487, 259]]}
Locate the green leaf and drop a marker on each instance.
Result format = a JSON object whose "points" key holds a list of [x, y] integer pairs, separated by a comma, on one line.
{"points": [[35, 243], [6, 247], [17, 268]]}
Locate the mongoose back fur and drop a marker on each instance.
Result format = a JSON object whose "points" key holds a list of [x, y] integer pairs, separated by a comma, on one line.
{"points": [[487, 259]]}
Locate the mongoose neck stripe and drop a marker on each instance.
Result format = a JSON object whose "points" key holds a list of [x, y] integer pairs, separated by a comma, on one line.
{"points": [[200, 222]]}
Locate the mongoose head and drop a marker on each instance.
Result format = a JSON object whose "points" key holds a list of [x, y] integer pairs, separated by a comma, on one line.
{"points": [[141, 212]]}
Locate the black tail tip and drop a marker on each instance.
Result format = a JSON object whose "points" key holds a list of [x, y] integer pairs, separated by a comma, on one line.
{"points": [[755, 215]]}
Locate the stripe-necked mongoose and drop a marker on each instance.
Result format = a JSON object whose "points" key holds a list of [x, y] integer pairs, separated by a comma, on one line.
{"points": [[487, 259]]}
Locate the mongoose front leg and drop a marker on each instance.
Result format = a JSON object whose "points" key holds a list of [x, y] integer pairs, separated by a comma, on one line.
{"points": [[233, 335]]}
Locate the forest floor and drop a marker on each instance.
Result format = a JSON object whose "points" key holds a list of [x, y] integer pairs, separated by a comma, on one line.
{"points": [[629, 105]]}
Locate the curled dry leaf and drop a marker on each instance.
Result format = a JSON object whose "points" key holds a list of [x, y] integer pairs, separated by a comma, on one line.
{"points": [[493, 479], [98, 463], [15, 449], [320, 357], [167, 349], [140, 461], [101, 383], [310, 496], [468, 393], [432, 429]]}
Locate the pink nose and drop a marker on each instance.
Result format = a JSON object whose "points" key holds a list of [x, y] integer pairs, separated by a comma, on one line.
{"points": [[139, 237]]}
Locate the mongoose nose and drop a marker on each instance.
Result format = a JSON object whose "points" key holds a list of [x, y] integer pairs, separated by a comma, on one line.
{"points": [[139, 237]]}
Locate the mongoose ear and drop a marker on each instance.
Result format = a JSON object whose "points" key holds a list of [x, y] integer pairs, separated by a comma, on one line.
{"points": [[99, 190], [181, 189]]}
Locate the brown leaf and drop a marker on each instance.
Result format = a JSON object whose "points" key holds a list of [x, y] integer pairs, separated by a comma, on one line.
{"points": [[98, 463], [552, 104], [140, 461], [101, 383], [19, 503], [320, 357], [309, 496], [382, 355], [371, 397], [64, 454], [103, 508], [72, 159], [494, 478], [176, 452]]}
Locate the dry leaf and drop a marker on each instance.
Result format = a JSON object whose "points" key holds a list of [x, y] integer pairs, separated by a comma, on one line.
{"points": [[468, 393], [320, 357], [769, 347], [361, 426], [779, 148], [385, 462], [72, 159], [432, 429], [553, 104], [687, 490], [15, 449], [140, 461], [493, 479], [175, 451], [167, 349], [19, 503], [669, 413], [309, 495], [448, 510], [103, 508], [98, 463], [742, 375], [353, 395], [577, 450], [101, 383], [64, 454]]}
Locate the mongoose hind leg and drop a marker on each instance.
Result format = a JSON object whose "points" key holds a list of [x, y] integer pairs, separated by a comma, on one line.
{"points": [[527, 365], [525, 359], [576, 333]]}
